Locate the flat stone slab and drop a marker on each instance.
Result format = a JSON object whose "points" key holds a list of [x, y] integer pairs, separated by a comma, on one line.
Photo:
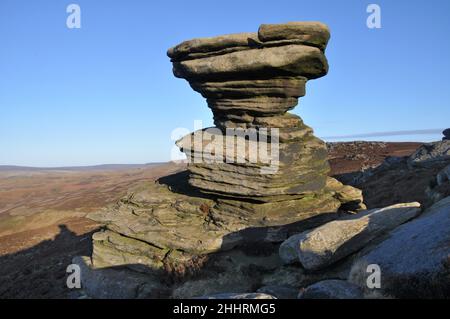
{"points": [[332, 289], [314, 34], [188, 49], [118, 283], [430, 153], [331, 242], [446, 132]]}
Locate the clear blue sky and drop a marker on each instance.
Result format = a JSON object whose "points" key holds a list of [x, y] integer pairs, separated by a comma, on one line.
{"points": [[105, 93]]}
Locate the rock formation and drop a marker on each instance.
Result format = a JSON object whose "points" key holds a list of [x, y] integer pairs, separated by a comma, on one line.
{"points": [[446, 133], [225, 201], [332, 289], [329, 243]]}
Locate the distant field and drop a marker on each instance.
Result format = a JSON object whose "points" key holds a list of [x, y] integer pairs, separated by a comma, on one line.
{"points": [[104, 167]]}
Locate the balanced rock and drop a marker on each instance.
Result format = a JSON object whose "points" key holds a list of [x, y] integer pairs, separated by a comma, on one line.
{"points": [[443, 177], [118, 284], [273, 183], [250, 81], [323, 246], [252, 295]]}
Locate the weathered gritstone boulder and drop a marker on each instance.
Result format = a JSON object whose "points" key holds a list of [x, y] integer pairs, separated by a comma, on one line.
{"points": [[430, 154], [175, 228], [323, 246], [446, 133], [200, 48], [250, 81], [294, 60], [414, 259], [332, 289], [249, 76]]}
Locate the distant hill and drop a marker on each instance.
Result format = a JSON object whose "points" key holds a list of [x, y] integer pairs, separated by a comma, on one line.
{"points": [[103, 167]]}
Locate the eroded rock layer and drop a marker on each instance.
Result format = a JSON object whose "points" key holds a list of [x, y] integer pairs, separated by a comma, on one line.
{"points": [[250, 81], [164, 226]]}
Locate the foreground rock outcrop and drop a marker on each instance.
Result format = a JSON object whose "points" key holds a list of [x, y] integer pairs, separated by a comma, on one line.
{"points": [[446, 133], [178, 227], [439, 188], [414, 259], [430, 154]]}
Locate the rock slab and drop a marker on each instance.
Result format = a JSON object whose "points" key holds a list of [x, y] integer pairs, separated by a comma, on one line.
{"points": [[446, 133], [174, 227], [332, 289]]}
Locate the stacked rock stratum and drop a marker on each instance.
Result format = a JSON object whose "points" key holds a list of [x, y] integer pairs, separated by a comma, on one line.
{"points": [[250, 81], [446, 133]]}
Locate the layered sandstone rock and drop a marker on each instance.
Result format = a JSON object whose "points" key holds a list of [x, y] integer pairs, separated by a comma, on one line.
{"points": [[414, 259], [250, 81], [226, 201]]}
